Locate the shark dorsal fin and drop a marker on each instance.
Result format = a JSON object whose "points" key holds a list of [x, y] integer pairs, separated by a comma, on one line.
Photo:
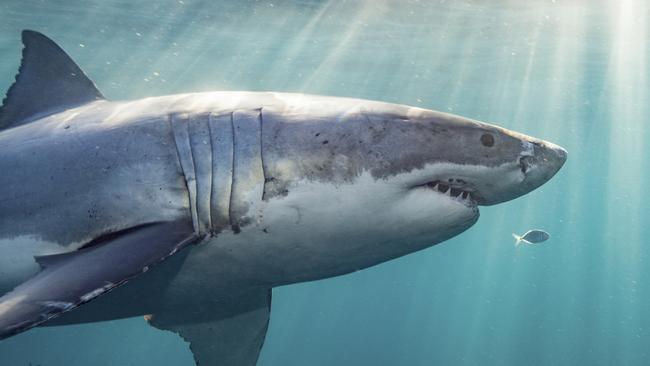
{"points": [[48, 81]]}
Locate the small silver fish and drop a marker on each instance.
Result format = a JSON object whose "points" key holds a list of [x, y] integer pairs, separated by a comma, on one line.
{"points": [[531, 237]]}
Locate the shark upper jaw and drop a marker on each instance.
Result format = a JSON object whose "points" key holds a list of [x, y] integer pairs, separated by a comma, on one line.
{"points": [[471, 186], [454, 189], [466, 186]]}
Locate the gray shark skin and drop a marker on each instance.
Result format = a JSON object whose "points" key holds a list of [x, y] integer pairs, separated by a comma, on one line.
{"points": [[190, 208]]}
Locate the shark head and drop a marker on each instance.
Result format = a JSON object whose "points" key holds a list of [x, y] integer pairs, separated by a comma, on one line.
{"points": [[470, 162], [378, 181]]}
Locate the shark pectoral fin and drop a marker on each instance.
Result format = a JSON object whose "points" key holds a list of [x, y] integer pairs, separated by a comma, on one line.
{"points": [[73, 279], [229, 333]]}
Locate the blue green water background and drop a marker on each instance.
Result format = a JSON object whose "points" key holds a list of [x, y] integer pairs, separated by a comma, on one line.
{"points": [[572, 72]]}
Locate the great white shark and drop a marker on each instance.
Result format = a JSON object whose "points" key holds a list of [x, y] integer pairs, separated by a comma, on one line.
{"points": [[188, 209]]}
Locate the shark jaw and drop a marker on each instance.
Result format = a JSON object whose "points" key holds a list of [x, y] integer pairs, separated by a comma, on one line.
{"points": [[453, 189], [341, 227], [324, 229]]}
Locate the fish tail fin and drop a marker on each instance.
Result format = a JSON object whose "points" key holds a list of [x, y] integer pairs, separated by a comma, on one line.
{"points": [[518, 239]]}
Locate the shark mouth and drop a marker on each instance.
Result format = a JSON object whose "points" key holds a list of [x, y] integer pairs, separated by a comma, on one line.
{"points": [[460, 194]]}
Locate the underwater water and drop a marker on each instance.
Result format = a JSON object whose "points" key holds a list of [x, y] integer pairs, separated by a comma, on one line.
{"points": [[571, 72]]}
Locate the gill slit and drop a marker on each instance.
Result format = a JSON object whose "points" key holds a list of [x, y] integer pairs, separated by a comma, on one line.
{"points": [[180, 131], [262, 154], [195, 217], [232, 172], [221, 137], [199, 137], [212, 157]]}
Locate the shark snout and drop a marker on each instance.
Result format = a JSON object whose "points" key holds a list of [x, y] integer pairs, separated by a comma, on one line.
{"points": [[533, 163], [539, 162]]}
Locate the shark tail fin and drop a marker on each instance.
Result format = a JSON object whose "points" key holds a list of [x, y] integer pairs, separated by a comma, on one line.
{"points": [[518, 239], [48, 81]]}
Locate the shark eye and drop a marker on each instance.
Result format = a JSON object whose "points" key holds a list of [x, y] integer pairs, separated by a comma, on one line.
{"points": [[487, 140]]}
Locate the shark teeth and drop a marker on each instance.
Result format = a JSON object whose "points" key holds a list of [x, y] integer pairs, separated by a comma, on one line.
{"points": [[456, 194]]}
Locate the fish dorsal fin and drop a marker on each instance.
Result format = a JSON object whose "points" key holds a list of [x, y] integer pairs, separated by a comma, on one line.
{"points": [[48, 81]]}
